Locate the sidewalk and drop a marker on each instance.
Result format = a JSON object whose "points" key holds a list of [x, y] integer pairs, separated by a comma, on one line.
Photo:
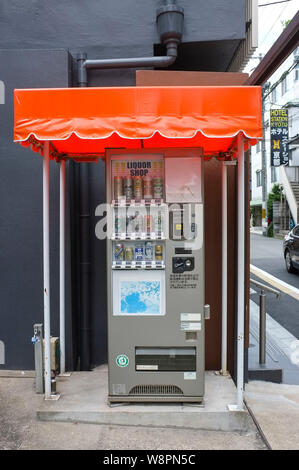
{"points": [[280, 347], [256, 230], [276, 409], [275, 406]]}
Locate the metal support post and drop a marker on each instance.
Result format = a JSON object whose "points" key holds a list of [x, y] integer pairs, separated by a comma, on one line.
{"points": [[224, 271], [262, 345], [241, 272], [240, 275], [46, 262], [262, 324], [62, 268]]}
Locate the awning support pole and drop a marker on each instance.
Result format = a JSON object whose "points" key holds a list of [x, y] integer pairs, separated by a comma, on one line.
{"points": [[224, 271], [62, 267], [241, 271], [46, 256]]}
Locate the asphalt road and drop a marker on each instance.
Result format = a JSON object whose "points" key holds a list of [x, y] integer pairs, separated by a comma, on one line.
{"points": [[266, 254]]}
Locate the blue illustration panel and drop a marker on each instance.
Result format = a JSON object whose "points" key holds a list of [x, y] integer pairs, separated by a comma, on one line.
{"points": [[140, 297]]}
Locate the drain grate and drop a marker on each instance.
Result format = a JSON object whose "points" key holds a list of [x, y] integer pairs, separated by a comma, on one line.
{"points": [[156, 390]]}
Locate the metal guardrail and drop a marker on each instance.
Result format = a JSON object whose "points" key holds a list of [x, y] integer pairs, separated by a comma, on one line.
{"points": [[262, 325]]}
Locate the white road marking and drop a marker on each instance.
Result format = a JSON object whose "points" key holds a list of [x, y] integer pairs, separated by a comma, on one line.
{"points": [[275, 282]]}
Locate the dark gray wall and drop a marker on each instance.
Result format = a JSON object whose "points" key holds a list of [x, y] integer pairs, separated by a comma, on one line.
{"points": [[85, 23], [28, 31], [21, 269], [118, 28]]}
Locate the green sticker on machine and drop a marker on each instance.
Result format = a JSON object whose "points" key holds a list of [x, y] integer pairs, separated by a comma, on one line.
{"points": [[122, 360]]}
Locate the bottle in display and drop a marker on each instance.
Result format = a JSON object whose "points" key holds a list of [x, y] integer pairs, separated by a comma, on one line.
{"points": [[158, 222], [148, 251], [159, 252], [147, 187], [130, 224], [148, 221], [128, 188], [158, 188], [139, 252], [138, 223], [118, 187], [118, 223], [138, 187], [119, 252]]}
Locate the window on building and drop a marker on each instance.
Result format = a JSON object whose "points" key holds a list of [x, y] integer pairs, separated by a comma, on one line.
{"points": [[258, 147], [259, 178], [274, 174], [274, 95], [284, 86], [296, 73]]}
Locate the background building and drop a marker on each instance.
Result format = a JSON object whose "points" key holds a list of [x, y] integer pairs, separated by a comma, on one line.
{"points": [[280, 92]]}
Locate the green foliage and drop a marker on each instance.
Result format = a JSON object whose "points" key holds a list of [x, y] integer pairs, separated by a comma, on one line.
{"points": [[275, 195], [285, 23]]}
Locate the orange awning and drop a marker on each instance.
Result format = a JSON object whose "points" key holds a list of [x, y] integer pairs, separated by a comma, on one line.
{"points": [[83, 122]]}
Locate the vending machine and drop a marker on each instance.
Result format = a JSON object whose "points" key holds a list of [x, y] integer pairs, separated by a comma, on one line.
{"points": [[155, 275]]}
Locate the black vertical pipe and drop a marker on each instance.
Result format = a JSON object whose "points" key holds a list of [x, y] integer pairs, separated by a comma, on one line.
{"points": [[84, 250], [84, 266]]}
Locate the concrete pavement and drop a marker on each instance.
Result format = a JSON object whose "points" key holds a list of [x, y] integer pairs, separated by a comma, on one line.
{"points": [[19, 429], [276, 409], [84, 399]]}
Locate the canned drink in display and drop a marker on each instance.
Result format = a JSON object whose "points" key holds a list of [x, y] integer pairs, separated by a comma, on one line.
{"points": [[119, 252], [158, 188], [159, 252], [148, 251], [129, 253], [139, 252], [148, 220], [118, 187], [128, 187], [138, 187], [147, 187]]}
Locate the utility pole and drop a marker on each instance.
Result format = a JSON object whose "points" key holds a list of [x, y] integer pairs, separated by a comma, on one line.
{"points": [[265, 88]]}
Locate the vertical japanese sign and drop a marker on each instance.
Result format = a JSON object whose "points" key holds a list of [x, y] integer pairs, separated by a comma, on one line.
{"points": [[279, 129]]}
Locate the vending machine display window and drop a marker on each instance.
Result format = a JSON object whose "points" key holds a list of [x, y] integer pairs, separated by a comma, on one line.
{"points": [[135, 178], [138, 294]]}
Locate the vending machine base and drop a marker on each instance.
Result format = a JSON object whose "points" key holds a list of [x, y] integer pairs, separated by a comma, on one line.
{"points": [[154, 399]]}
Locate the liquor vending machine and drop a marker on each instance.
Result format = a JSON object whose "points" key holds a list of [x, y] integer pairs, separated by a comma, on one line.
{"points": [[155, 275]]}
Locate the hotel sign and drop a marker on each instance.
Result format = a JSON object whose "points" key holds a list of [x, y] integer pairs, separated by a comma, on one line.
{"points": [[279, 131]]}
